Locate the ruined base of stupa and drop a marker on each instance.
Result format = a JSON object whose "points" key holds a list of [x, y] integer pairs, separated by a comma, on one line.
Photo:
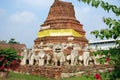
{"points": [[63, 71]]}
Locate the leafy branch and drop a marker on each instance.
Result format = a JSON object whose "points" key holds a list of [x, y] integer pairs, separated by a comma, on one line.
{"points": [[112, 32], [114, 25], [105, 5]]}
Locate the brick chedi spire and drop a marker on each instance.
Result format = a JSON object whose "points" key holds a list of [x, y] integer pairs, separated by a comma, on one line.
{"points": [[61, 26], [61, 10], [56, 0]]}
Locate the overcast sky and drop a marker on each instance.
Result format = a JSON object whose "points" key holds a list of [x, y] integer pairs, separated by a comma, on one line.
{"points": [[21, 19]]}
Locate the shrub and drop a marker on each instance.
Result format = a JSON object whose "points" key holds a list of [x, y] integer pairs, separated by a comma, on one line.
{"points": [[9, 60]]}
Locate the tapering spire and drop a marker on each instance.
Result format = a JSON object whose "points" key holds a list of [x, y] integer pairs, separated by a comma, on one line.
{"points": [[61, 25], [56, 0], [61, 10]]}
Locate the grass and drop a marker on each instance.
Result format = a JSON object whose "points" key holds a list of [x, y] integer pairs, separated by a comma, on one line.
{"points": [[79, 78], [16, 76]]}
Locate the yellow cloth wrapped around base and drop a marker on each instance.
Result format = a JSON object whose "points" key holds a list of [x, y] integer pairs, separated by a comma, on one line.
{"points": [[59, 32]]}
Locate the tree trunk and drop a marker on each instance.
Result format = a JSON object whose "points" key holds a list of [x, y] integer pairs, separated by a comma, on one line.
{"points": [[4, 74]]}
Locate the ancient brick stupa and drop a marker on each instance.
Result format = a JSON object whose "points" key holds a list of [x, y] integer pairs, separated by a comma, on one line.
{"points": [[61, 26]]}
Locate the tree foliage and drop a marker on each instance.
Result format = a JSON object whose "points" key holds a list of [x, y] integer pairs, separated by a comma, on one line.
{"points": [[113, 31], [12, 41], [3, 41], [105, 5], [9, 59]]}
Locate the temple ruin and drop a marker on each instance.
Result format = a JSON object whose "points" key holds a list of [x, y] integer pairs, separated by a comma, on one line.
{"points": [[60, 28], [61, 48]]}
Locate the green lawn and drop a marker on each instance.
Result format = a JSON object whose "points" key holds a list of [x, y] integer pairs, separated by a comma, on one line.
{"points": [[16, 76], [79, 78]]}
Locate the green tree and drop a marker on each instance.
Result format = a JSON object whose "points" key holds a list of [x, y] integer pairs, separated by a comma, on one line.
{"points": [[3, 41], [9, 59], [12, 41], [113, 31]]}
